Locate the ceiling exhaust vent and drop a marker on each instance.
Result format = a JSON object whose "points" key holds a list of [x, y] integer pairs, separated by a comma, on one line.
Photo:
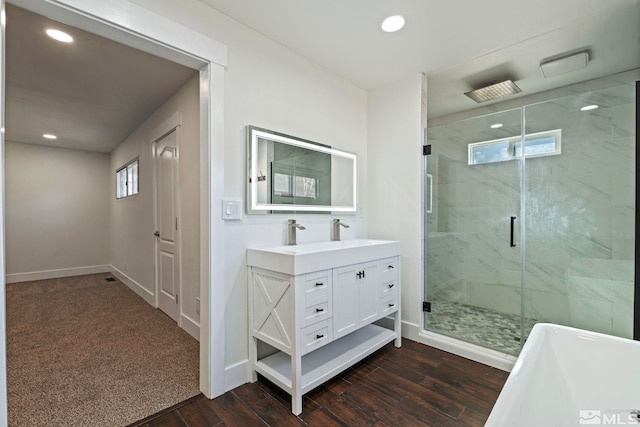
{"points": [[494, 91], [557, 65]]}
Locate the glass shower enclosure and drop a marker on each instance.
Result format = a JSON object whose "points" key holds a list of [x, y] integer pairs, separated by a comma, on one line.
{"points": [[530, 217]]}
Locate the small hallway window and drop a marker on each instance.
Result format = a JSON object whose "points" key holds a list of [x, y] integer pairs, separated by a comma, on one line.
{"points": [[127, 180]]}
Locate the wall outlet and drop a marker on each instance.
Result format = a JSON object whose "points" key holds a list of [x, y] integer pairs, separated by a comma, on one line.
{"points": [[198, 305]]}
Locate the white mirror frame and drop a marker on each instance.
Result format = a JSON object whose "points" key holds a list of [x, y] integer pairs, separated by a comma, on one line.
{"points": [[255, 207]]}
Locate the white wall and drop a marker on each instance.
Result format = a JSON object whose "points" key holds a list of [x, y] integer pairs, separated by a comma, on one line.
{"points": [[269, 86], [132, 250], [393, 181], [57, 211]]}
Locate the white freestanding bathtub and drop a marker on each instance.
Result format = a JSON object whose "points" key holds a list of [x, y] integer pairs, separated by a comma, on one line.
{"points": [[570, 377]]}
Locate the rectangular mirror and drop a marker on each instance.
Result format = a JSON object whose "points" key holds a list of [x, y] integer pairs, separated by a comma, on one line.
{"points": [[288, 174]]}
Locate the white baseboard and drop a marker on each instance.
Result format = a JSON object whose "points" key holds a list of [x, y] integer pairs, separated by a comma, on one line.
{"points": [[190, 325], [467, 350], [236, 375], [55, 274], [136, 287]]}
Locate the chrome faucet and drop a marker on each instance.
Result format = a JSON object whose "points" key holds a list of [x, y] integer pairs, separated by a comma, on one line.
{"points": [[335, 231], [292, 225]]}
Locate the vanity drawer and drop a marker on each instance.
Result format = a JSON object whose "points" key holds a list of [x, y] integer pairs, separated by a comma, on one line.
{"points": [[389, 269], [389, 305], [316, 336], [389, 289], [316, 313], [317, 288]]}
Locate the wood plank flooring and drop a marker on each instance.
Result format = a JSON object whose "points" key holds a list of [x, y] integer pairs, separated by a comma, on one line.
{"points": [[415, 385]]}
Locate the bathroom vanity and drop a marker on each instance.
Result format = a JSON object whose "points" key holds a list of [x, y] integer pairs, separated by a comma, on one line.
{"points": [[316, 304]]}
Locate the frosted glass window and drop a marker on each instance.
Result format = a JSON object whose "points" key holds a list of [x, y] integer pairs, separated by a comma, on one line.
{"points": [[127, 180], [282, 184], [490, 153], [538, 144], [297, 186], [306, 187], [537, 147]]}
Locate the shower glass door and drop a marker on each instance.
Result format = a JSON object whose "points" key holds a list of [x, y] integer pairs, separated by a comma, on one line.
{"points": [[534, 220], [472, 245], [580, 209]]}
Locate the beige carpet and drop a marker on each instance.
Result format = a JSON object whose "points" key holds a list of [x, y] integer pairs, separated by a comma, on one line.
{"points": [[82, 351]]}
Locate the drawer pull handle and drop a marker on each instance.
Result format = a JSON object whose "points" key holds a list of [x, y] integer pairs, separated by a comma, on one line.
{"points": [[318, 336], [391, 305], [391, 267], [391, 285], [319, 310], [319, 283]]}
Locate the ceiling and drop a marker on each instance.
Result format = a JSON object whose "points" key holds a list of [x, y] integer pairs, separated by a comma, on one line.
{"points": [[460, 45], [91, 93], [94, 92]]}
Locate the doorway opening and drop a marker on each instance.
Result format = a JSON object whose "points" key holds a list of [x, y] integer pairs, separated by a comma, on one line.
{"points": [[137, 26]]}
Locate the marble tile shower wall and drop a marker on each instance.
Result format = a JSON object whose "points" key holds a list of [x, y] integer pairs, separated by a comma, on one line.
{"points": [[580, 213]]}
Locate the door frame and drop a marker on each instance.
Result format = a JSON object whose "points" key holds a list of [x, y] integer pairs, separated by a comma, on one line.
{"points": [[171, 124], [133, 25]]}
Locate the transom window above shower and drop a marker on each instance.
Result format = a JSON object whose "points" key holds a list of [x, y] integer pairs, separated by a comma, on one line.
{"points": [[537, 144]]}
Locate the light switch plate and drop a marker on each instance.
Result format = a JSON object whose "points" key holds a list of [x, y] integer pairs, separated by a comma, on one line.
{"points": [[231, 209]]}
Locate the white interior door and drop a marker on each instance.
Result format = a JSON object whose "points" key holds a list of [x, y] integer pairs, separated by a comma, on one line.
{"points": [[167, 248]]}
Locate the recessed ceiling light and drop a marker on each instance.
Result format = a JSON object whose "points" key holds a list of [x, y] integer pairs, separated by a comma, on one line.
{"points": [[589, 107], [59, 35], [392, 24], [49, 136], [496, 126]]}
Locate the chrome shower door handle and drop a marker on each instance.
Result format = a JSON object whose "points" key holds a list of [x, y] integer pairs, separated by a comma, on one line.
{"points": [[430, 185], [512, 238]]}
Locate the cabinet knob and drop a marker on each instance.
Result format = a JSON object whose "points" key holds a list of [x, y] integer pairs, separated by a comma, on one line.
{"points": [[319, 310], [318, 336], [391, 285]]}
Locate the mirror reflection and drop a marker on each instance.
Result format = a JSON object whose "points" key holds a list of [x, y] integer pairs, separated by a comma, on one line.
{"points": [[288, 174]]}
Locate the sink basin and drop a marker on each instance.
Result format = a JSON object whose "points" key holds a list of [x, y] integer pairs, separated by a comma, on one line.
{"points": [[310, 257]]}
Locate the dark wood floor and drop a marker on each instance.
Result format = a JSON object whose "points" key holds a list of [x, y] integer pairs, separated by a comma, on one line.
{"points": [[416, 385]]}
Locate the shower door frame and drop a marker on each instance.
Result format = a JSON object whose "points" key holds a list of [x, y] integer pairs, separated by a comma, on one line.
{"points": [[636, 296]]}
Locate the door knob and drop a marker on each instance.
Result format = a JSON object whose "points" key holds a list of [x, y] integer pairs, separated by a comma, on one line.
{"points": [[157, 234]]}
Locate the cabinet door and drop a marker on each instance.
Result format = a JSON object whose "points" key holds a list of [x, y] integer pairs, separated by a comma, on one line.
{"points": [[345, 300], [368, 288]]}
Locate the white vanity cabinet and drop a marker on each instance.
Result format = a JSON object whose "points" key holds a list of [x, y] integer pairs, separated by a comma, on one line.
{"points": [[320, 321], [362, 294]]}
